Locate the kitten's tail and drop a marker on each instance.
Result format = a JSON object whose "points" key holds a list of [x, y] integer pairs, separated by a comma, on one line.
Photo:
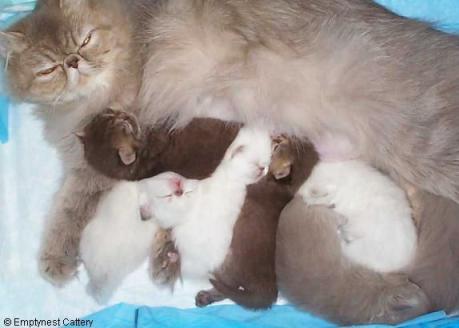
{"points": [[313, 273], [251, 297]]}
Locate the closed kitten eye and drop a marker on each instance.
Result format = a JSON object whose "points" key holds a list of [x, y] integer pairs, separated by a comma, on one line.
{"points": [[47, 71]]}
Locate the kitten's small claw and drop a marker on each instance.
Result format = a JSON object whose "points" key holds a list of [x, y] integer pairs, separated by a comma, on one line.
{"points": [[165, 261], [58, 270]]}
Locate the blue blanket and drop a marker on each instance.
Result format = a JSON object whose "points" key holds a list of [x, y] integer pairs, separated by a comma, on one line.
{"points": [[228, 316], [442, 13]]}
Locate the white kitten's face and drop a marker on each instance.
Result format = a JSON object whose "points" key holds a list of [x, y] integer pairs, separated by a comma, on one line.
{"points": [[250, 155], [169, 197]]}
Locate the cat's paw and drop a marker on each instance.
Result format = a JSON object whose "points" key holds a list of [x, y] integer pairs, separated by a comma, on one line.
{"points": [[165, 261], [58, 270]]}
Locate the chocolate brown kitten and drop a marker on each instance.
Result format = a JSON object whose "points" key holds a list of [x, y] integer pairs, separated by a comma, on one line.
{"points": [[115, 146], [248, 273]]}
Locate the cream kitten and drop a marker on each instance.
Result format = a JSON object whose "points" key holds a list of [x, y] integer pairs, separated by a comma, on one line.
{"points": [[202, 213], [377, 230], [116, 241]]}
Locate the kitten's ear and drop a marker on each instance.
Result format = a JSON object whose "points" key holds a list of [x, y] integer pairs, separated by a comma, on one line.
{"points": [[127, 155], [81, 136], [11, 42], [238, 150], [72, 5]]}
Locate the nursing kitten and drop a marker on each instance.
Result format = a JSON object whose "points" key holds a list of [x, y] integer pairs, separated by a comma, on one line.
{"points": [[356, 79], [195, 150], [116, 241], [248, 274], [376, 226], [202, 213], [313, 273], [72, 59], [328, 70]]}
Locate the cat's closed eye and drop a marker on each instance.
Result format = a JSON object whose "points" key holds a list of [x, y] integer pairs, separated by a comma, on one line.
{"points": [[87, 40], [47, 71]]}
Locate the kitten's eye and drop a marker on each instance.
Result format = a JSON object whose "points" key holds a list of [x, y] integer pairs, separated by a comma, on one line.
{"points": [[166, 196], [87, 40], [47, 71]]}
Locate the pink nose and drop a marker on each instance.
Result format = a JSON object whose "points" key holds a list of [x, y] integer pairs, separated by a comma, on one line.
{"points": [[177, 185], [261, 170]]}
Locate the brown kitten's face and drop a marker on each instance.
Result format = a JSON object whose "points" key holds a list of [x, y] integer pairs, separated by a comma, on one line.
{"points": [[65, 50]]}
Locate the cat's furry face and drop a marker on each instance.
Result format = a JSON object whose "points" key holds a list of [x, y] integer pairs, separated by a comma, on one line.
{"points": [[65, 50]]}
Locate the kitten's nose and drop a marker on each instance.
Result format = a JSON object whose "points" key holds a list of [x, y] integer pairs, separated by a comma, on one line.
{"points": [[178, 192], [72, 62]]}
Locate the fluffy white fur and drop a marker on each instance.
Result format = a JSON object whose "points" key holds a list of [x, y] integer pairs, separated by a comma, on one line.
{"points": [[377, 229], [116, 241], [202, 213]]}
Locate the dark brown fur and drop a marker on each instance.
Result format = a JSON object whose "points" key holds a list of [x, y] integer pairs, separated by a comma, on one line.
{"points": [[195, 152], [251, 264]]}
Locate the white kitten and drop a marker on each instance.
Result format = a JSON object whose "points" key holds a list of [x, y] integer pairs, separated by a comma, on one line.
{"points": [[116, 241], [202, 213], [377, 229]]}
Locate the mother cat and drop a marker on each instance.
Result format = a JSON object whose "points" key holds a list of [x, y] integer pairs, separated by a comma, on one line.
{"points": [[349, 71]]}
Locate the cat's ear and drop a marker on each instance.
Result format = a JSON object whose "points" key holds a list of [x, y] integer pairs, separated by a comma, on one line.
{"points": [[11, 42], [72, 5]]}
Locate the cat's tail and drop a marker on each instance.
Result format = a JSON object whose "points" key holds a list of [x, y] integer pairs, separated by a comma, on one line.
{"points": [[251, 297], [313, 274]]}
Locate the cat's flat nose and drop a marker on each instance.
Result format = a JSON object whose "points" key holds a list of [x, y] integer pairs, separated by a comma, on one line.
{"points": [[72, 62], [178, 192]]}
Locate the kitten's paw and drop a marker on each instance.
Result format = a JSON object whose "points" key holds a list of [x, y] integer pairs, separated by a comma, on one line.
{"points": [[208, 297], [122, 121], [165, 262], [58, 270], [282, 158], [121, 131]]}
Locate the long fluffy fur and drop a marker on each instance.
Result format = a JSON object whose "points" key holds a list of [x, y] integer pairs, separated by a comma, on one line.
{"points": [[328, 70], [376, 226], [313, 273], [203, 220], [116, 241]]}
